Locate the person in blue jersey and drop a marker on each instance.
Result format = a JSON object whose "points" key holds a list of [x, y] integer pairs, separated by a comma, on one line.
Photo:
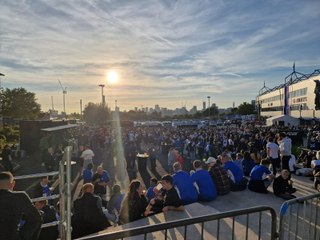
{"points": [[100, 181], [261, 177], [207, 189], [87, 174], [237, 180], [183, 182], [42, 189], [150, 192], [247, 163]]}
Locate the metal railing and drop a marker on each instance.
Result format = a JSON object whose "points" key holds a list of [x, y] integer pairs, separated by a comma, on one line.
{"points": [[64, 195], [300, 218], [218, 217]]}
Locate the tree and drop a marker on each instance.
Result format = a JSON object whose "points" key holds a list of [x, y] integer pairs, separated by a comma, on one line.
{"points": [[19, 103], [246, 109], [96, 113]]}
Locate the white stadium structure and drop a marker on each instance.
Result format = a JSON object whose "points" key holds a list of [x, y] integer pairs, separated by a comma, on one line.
{"points": [[298, 97]]}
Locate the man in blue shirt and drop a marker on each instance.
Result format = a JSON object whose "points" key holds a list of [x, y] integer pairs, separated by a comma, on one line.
{"points": [[237, 181], [261, 177], [207, 189], [183, 182]]}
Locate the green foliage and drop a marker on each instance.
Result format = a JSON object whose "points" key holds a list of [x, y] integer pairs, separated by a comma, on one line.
{"points": [[9, 134], [2, 141], [19, 103], [75, 116], [246, 109], [96, 114]]}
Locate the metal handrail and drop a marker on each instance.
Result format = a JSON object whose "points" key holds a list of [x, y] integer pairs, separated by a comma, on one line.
{"points": [[184, 222], [50, 224], [55, 196], [36, 175]]}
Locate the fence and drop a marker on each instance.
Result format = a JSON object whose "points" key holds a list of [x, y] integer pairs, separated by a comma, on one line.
{"points": [[299, 218], [64, 194], [216, 229]]}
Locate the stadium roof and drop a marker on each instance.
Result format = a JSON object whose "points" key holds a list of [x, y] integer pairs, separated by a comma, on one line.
{"points": [[292, 78]]}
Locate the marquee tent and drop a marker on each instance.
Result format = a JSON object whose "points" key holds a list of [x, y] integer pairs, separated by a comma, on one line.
{"points": [[283, 120]]}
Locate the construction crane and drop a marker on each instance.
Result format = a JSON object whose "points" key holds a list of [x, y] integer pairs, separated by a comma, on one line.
{"points": [[64, 92]]}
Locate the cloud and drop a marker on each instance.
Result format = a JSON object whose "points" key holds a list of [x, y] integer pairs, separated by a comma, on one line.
{"points": [[165, 51]]}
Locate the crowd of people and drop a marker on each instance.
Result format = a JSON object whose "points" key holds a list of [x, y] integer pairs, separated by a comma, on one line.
{"points": [[201, 165]]}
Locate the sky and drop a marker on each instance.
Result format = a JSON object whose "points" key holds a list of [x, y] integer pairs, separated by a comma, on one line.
{"points": [[167, 52]]}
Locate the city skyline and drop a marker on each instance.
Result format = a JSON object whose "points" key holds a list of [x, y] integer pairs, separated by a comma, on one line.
{"points": [[171, 53]]}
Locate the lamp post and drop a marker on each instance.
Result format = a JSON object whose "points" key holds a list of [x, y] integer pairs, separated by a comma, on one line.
{"points": [[209, 106], [103, 100], [1, 75]]}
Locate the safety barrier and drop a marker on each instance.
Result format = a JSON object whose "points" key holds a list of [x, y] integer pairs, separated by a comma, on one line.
{"points": [[219, 231], [64, 194], [300, 218]]}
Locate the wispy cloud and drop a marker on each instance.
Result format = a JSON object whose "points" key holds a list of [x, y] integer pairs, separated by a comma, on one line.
{"points": [[166, 52]]}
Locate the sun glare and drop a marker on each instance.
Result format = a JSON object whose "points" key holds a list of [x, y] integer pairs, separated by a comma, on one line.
{"points": [[112, 77]]}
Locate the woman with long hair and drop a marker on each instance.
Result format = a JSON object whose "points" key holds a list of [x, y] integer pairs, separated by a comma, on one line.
{"points": [[134, 203]]}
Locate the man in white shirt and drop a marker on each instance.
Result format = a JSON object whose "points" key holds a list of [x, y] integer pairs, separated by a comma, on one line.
{"points": [[87, 156], [273, 155], [285, 150]]}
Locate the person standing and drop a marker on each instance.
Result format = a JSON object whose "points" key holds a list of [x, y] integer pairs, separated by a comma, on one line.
{"points": [[171, 159], [285, 145], [7, 158], [100, 180], [14, 206], [87, 156], [273, 154], [49, 160]]}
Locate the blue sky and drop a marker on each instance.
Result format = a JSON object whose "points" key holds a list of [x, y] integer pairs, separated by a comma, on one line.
{"points": [[171, 53]]}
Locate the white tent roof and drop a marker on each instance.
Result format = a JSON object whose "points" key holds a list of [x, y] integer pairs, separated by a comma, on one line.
{"points": [[283, 118]]}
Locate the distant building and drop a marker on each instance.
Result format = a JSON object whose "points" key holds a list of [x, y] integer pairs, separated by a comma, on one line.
{"points": [[157, 108], [203, 105], [299, 96], [224, 111], [193, 110]]}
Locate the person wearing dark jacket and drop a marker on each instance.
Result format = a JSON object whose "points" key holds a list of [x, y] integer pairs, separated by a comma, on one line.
{"points": [[48, 214], [6, 158], [282, 186], [88, 215], [15, 206], [134, 204], [42, 189]]}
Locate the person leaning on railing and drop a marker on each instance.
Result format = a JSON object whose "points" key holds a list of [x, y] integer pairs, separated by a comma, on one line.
{"points": [[15, 206]]}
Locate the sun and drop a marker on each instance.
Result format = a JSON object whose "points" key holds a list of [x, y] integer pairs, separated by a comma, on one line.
{"points": [[112, 77]]}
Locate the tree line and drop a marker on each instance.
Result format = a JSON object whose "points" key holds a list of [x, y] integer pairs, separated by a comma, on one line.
{"points": [[19, 103]]}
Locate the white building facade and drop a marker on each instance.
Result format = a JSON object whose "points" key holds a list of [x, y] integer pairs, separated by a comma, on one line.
{"points": [[298, 97]]}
